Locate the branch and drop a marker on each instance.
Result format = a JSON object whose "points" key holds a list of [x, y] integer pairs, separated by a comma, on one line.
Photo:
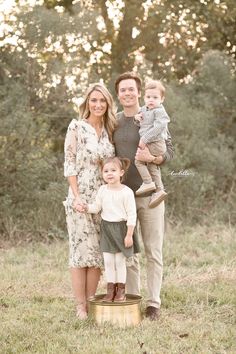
{"points": [[108, 22]]}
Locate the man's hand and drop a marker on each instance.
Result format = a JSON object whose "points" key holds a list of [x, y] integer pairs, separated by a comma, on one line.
{"points": [[144, 155]]}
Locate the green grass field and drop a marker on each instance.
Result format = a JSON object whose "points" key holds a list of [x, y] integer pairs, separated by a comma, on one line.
{"points": [[198, 300]]}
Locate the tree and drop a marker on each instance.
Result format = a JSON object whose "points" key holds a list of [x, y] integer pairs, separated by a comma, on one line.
{"points": [[48, 57], [169, 37]]}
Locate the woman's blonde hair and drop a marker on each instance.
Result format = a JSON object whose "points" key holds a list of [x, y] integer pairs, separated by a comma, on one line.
{"points": [[109, 116]]}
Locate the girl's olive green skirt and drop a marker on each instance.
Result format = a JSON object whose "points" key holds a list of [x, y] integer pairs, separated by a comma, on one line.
{"points": [[112, 238]]}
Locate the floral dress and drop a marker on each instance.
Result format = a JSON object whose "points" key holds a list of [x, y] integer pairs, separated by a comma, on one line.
{"points": [[83, 150]]}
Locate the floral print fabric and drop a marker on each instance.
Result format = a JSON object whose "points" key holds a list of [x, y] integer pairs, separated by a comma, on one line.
{"points": [[83, 151]]}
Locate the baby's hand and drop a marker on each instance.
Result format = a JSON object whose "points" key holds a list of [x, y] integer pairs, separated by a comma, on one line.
{"points": [[138, 117], [128, 241], [141, 145]]}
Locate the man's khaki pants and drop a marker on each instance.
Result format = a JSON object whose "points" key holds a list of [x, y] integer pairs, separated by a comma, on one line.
{"points": [[152, 230]]}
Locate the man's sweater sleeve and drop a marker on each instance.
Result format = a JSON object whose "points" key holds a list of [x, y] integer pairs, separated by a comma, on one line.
{"points": [[169, 148]]}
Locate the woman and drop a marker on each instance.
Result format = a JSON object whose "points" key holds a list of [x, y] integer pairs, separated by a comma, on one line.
{"points": [[88, 141]]}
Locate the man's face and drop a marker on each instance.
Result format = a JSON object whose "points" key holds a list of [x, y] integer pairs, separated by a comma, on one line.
{"points": [[128, 93]]}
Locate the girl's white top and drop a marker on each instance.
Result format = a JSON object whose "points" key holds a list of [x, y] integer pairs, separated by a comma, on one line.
{"points": [[115, 205]]}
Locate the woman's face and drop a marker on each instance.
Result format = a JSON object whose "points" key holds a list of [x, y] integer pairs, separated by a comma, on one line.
{"points": [[97, 104]]}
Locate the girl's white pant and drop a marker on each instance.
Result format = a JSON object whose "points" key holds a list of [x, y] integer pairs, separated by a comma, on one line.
{"points": [[115, 267]]}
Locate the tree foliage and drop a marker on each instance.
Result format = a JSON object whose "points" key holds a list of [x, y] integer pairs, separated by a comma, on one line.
{"points": [[170, 36], [49, 54], [203, 126]]}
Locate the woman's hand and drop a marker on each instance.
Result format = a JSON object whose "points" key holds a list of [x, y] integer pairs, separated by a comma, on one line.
{"points": [[82, 208], [144, 155], [79, 205]]}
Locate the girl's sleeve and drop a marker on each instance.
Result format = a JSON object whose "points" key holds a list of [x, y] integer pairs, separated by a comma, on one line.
{"points": [[96, 207], [70, 149], [130, 208]]}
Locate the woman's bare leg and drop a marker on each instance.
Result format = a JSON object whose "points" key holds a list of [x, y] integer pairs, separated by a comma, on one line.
{"points": [[93, 276], [78, 278]]}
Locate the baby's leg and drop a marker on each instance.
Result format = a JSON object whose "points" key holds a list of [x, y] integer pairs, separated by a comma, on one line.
{"points": [[143, 171], [148, 185], [156, 148], [155, 172]]}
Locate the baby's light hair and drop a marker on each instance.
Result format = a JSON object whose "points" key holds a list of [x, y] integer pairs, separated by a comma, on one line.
{"points": [[155, 84], [122, 162]]}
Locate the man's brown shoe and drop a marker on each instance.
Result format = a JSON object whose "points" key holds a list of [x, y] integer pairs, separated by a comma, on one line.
{"points": [[153, 313]]}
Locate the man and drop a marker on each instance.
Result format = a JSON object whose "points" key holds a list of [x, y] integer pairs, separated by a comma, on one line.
{"points": [[126, 139]]}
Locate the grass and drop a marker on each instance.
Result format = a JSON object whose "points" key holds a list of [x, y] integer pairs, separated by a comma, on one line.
{"points": [[198, 300]]}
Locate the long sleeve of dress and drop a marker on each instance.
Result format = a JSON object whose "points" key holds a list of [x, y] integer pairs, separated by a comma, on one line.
{"points": [[70, 149], [95, 208], [130, 208]]}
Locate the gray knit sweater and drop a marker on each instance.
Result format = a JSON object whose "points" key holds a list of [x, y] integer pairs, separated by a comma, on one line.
{"points": [[154, 125]]}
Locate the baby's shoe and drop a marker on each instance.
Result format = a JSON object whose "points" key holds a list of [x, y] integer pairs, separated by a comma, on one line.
{"points": [[145, 187], [157, 198]]}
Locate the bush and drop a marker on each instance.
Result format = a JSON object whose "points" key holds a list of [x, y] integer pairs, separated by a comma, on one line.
{"points": [[203, 126]]}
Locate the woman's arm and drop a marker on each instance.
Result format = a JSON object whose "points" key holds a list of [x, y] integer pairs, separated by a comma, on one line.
{"points": [[77, 202], [70, 150]]}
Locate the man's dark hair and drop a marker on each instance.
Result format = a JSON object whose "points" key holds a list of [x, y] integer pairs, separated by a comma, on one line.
{"points": [[126, 76]]}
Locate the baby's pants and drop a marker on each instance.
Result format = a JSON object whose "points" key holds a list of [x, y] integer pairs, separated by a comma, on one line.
{"points": [[150, 172]]}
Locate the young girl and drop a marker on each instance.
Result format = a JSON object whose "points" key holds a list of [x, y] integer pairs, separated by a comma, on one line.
{"points": [[118, 211]]}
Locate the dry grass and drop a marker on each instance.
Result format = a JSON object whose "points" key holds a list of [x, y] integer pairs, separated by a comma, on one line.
{"points": [[198, 301]]}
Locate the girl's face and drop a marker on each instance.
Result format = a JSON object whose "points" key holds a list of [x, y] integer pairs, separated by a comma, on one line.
{"points": [[97, 104], [112, 173]]}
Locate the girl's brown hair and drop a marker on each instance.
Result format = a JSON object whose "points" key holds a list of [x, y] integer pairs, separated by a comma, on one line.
{"points": [[122, 162]]}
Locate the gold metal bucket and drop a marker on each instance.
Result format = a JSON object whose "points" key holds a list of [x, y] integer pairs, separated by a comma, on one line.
{"points": [[121, 314]]}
